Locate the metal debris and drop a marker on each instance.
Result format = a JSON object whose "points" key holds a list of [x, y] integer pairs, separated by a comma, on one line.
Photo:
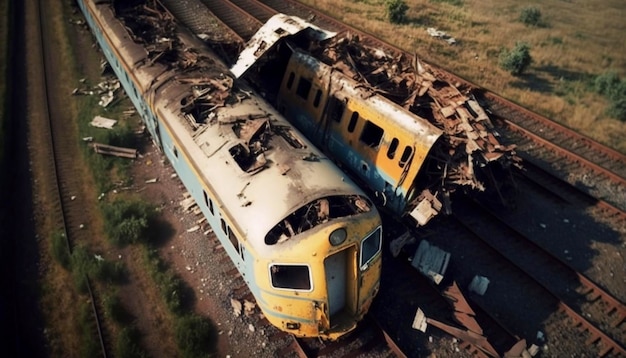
{"points": [[421, 322], [431, 261], [479, 285], [121, 152], [470, 144], [103, 122], [433, 32]]}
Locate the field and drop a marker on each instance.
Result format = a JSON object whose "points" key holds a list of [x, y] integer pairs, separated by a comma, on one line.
{"points": [[574, 42]]}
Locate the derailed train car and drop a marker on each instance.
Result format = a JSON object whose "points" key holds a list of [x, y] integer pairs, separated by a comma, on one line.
{"points": [[305, 238], [412, 138]]}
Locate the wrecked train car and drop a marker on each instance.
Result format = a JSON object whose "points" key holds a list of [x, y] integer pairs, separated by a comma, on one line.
{"points": [[411, 137], [305, 239]]}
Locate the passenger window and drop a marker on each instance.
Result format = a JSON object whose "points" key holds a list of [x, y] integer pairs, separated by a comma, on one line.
{"points": [[391, 152], [406, 155], [292, 76], [353, 120], [233, 239], [318, 98], [304, 87], [372, 134], [224, 227], [211, 207], [296, 277], [336, 108], [206, 198]]}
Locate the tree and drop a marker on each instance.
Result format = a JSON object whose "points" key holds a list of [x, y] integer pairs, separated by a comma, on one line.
{"points": [[396, 10], [516, 61]]}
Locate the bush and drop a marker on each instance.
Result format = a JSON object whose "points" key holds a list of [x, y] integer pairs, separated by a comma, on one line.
{"points": [[613, 88], [127, 221], [396, 11], [530, 16], [128, 344], [517, 60], [195, 336]]}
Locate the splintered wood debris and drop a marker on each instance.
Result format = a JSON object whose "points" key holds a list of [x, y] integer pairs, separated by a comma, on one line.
{"points": [[470, 142]]}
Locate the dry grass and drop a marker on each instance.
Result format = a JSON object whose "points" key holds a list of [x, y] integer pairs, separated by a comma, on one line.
{"points": [[578, 41]]}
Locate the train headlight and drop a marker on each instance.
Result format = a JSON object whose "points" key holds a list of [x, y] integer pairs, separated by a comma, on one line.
{"points": [[338, 236]]}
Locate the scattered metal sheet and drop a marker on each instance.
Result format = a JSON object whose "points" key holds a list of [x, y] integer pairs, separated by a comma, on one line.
{"points": [[421, 322], [463, 313], [277, 27], [431, 261], [428, 206], [479, 285], [103, 122]]}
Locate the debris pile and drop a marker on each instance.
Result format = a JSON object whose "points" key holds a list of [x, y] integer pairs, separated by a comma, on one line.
{"points": [[470, 142]]}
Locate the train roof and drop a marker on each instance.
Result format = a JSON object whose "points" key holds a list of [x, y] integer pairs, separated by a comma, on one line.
{"points": [[260, 190], [257, 167]]}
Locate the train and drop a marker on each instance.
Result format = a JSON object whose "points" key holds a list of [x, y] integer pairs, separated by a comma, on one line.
{"points": [[409, 137], [304, 237]]}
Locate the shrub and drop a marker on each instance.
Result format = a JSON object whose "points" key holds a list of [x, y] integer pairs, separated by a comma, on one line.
{"points": [[613, 88], [127, 221], [530, 16], [517, 60], [195, 336], [396, 11], [128, 344]]}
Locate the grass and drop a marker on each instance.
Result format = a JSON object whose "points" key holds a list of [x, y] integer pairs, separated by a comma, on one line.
{"points": [[576, 41]]}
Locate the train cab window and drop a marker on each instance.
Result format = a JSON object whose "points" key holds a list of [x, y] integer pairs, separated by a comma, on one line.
{"points": [[353, 121], [211, 207], [318, 98], [370, 247], [304, 87], [406, 155], [206, 198], [371, 135], [294, 277], [336, 108], [391, 152], [292, 76]]}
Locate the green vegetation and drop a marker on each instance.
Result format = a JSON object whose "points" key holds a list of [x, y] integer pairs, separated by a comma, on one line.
{"points": [[127, 221], [613, 88], [517, 60], [60, 251], [129, 344], [396, 11], [531, 16], [194, 334]]}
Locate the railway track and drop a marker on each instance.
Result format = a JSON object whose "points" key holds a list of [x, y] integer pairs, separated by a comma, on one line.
{"points": [[62, 174], [589, 306]]}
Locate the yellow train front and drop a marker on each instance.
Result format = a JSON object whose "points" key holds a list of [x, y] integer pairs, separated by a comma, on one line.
{"points": [[321, 282]]}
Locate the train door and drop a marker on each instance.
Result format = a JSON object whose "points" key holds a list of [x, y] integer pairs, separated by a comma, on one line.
{"points": [[335, 267]]}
